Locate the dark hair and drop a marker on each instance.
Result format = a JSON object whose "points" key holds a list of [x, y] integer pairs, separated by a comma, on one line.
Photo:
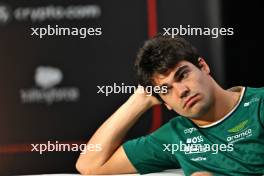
{"points": [[160, 54]]}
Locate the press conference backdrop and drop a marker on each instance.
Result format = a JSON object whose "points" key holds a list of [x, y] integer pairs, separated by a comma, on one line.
{"points": [[49, 85]]}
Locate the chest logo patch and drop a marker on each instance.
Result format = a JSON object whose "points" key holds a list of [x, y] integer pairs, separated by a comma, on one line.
{"points": [[238, 127]]}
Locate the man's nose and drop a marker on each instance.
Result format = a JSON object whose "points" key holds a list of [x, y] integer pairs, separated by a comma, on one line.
{"points": [[182, 90]]}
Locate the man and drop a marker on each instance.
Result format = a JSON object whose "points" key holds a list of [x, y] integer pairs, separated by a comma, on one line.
{"points": [[218, 131]]}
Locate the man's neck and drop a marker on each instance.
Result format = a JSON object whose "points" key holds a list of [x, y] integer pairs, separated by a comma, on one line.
{"points": [[224, 102]]}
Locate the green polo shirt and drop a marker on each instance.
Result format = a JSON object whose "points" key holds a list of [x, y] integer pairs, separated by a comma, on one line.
{"points": [[234, 145]]}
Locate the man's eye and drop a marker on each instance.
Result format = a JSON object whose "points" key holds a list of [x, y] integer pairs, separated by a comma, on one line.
{"points": [[183, 75]]}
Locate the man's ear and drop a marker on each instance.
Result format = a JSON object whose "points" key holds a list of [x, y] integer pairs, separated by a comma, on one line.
{"points": [[203, 65], [168, 106]]}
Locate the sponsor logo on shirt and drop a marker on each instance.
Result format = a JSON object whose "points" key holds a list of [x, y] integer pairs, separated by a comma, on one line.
{"points": [[190, 130], [238, 127], [253, 100], [199, 159], [239, 132], [194, 139]]}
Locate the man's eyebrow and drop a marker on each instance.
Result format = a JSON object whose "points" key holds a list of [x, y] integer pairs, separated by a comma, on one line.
{"points": [[178, 71]]}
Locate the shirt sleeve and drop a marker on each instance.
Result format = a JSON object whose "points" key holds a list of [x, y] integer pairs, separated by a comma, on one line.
{"points": [[147, 154]]}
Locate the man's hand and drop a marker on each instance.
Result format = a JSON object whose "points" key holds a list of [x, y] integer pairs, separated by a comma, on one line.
{"points": [[141, 94]]}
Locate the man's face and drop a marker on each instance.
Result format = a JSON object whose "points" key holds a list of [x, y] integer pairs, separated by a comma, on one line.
{"points": [[190, 88]]}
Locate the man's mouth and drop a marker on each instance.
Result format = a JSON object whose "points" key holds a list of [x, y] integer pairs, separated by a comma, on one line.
{"points": [[191, 101]]}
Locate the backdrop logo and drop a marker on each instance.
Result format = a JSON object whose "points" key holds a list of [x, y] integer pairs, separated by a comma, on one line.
{"points": [[49, 12], [46, 78], [5, 14]]}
